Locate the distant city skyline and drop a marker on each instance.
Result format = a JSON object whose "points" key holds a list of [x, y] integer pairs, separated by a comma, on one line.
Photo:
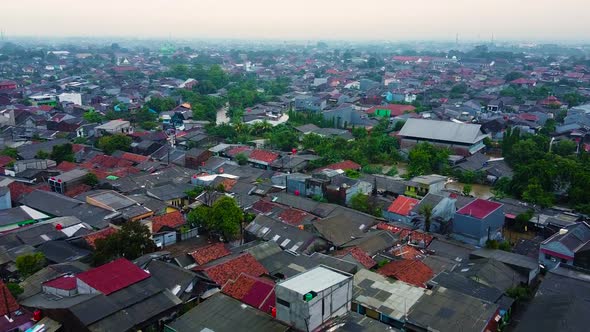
{"points": [[566, 20]]}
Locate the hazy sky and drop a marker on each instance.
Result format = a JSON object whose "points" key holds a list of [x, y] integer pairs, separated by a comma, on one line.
{"points": [[300, 19]]}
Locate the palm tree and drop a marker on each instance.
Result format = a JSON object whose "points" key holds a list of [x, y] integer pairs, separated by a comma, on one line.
{"points": [[426, 211]]}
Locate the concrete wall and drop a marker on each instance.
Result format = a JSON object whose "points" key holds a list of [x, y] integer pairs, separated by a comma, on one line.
{"points": [[475, 231], [5, 201], [307, 316]]}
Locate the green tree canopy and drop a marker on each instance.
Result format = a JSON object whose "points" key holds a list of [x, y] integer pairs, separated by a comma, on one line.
{"points": [[224, 217], [131, 241], [91, 179], [28, 264], [10, 152], [426, 158], [112, 143], [64, 152]]}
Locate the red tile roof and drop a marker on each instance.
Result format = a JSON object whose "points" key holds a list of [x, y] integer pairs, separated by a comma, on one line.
{"points": [[77, 190], [172, 220], [343, 165], [395, 109], [402, 205], [263, 206], [5, 160], [358, 254], [18, 190], [209, 253], [416, 237], [391, 228], [228, 184], [8, 303], [264, 156], [92, 237], [238, 149], [522, 81], [77, 148], [411, 271], [113, 276], [292, 216], [257, 292], [231, 269], [66, 166], [136, 158], [479, 208], [64, 282]]}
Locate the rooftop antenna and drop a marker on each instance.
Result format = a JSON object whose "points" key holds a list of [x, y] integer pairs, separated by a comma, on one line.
{"points": [[2, 35], [492, 38], [457, 39]]}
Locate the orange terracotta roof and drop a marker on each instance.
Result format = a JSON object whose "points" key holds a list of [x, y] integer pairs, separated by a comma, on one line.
{"points": [[358, 254], [402, 205], [231, 269], [343, 165], [8, 303], [406, 252], [66, 166], [92, 237], [209, 253], [411, 271], [172, 220]]}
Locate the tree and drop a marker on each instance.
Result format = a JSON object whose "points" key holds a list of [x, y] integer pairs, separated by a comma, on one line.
{"points": [[63, 152], [112, 143], [426, 211], [42, 155], [241, 158], [360, 202], [28, 264], [467, 189], [9, 152], [283, 138], [513, 76], [535, 194], [93, 117], [15, 289], [564, 148], [91, 179], [425, 158], [225, 218], [131, 241]]}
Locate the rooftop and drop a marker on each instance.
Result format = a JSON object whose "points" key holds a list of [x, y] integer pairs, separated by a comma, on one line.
{"points": [[402, 205], [411, 271], [316, 279], [442, 131], [113, 276], [209, 253], [171, 220], [479, 208]]}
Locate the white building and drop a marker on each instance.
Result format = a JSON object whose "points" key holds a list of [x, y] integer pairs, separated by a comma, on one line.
{"points": [[114, 127], [75, 98], [309, 299]]}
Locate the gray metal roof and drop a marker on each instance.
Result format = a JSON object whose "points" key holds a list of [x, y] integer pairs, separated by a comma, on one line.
{"points": [[448, 310], [442, 131], [222, 313]]}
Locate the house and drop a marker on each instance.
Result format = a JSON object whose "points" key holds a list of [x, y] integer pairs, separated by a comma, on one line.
{"points": [[383, 299], [342, 227], [166, 228], [223, 313], [527, 267], [12, 316], [94, 300], [309, 103], [196, 158], [114, 127], [209, 253], [561, 303], [400, 209], [5, 198], [569, 246], [262, 158], [311, 298], [66, 181], [413, 272], [177, 280], [420, 186], [357, 256], [447, 310], [461, 138], [126, 208], [288, 237], [390, 110], [173, 195], [254, 291], [220, 271], [479, 221], [18, 217]]}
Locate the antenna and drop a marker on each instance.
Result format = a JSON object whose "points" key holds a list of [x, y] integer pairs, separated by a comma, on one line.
{"points": [[2, 35], [457, 39], [492, 38]]}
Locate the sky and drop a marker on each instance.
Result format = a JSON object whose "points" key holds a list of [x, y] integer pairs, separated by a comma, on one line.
{"points": [[474, 20]]}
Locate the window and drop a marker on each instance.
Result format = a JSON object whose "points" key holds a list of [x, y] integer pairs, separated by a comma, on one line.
{"points": [[283, 303]]}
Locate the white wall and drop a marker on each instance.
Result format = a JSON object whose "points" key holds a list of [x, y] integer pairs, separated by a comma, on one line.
{"points": [[75, 98]]}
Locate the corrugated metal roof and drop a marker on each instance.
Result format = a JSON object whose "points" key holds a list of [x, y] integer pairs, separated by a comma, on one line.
{"points": [[442, 131]]}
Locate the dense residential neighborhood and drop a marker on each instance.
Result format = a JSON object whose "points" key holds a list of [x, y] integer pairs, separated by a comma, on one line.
{"points": [[294, 187]]}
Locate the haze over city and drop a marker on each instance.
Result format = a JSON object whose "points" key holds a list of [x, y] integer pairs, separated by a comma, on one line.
{"points": [[304, 19]]}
